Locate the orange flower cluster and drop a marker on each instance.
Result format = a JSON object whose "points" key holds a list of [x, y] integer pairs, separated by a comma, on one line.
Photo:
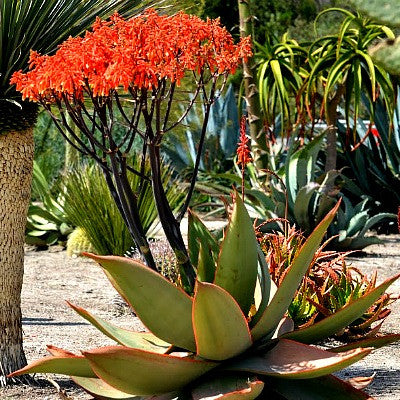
{"points": [[243, 151], [136, 53]]}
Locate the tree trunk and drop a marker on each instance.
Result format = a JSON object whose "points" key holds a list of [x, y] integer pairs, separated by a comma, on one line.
{"points": [[258, 138], [16, 158], [331, 121]]}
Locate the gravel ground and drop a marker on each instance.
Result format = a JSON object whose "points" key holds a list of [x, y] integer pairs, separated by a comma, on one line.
{"points": [[51, 278]]}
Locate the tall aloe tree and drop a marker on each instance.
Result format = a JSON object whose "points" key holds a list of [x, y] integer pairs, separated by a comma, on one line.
{"points": [[25, 25], [342, 70]]}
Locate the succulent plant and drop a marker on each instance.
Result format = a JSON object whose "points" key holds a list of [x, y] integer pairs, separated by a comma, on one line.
{"points": [[47, 222], [229, 339], [329, 285]]}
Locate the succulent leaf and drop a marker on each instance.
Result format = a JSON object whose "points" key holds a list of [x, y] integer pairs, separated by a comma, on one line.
{"points": [[126, 337], [237, 264], [220, 328], [205, 265], [228, 388], [375, 342], [267, 286], [141, 372], [293, 360], [101, 390], [340, 319], [152, 297], [266, 322], [67, 364], [324, 388], [198, 234]]}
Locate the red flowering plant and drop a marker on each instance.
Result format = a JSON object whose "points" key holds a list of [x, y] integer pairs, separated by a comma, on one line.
{"points": [[133, 68]]}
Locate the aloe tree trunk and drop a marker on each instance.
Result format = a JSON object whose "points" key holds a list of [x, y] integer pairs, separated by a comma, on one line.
{"points": [[331, 136], [257, 134], [16, 158]]}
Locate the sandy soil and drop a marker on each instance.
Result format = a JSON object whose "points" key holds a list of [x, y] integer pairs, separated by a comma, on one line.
{"points": [[51, 278]]}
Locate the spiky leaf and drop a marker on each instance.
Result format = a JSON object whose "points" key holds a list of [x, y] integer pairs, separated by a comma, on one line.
{"points": [[266, 322], [237, 264], [220, 328], [290, 359], [126, 337], [144, 373], [228, 388], [198, 234], [205, 265], [340, 319], [67, 364], [375, 342], [153, 298]]}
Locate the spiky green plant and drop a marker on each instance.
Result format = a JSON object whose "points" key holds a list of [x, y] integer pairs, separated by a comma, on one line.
{"points": [[341, 69], [328, 285], [230, 339], [89, 205]]}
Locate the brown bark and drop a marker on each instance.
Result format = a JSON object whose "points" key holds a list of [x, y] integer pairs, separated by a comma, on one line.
{"points": [[16, 158], [253, 106], [331, 136]]}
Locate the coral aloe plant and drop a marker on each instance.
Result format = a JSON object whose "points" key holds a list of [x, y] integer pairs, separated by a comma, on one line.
{"points": [[230, 339], [133, 68]]}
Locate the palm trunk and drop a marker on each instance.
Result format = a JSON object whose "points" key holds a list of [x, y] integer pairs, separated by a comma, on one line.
{"points": [[16, 158]]}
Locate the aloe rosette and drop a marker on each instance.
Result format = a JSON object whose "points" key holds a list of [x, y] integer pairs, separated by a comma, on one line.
{"points": [[230, 339]]}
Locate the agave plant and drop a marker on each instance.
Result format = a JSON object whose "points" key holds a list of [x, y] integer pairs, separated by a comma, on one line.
{"points": [[229, 339], [47, 222], [220, 140]]}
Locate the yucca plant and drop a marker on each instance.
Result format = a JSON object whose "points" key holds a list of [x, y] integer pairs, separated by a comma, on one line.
{"points": [[89, 205], [230, 338], [41, 25]]}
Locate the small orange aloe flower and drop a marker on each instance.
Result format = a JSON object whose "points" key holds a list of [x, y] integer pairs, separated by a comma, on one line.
{"points": [[243, 150]]}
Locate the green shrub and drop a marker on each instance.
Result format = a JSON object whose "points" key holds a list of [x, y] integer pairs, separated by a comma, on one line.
{"points": [[89, 205]]}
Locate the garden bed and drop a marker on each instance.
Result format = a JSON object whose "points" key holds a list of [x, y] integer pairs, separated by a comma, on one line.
{"points": [[51, 278]]}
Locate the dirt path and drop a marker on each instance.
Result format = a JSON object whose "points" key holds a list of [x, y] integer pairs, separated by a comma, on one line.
{"points": [[51, 278]]}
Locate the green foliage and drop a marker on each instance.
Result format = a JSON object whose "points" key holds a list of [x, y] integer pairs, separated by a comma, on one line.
{"points": [[217, 346], [375, 164], [47, 222], [328, 285], [49, 149], [89, 205], [352, 223], [220, 141], [272, 16], [341, 68], [280, 78]]}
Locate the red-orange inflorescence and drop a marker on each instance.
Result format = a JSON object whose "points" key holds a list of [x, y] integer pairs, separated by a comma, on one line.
{"points": [[243, 150], [133, 54]]}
